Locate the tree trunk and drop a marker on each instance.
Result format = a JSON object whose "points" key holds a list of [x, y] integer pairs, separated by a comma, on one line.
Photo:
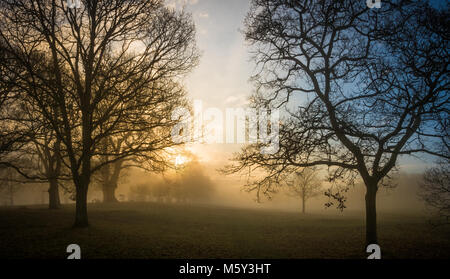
{"points": [[81, 217], [11, 196], [53, 195], [82, 180], [371, 214], [303, 205], [10, 188], [109, 192]]}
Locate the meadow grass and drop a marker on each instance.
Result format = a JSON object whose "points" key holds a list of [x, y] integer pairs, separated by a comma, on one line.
{"points": [[153, 230]]}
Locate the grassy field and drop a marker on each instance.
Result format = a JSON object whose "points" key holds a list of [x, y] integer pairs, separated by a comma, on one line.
{"points": [[151, 230]]}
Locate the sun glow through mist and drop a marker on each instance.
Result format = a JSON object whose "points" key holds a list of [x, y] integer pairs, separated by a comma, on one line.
{"points": [[180, 160]]}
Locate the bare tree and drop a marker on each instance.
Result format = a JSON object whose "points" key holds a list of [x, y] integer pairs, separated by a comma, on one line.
{"points": [[192, 184], [9, 185], [141, 193], [152, 160], [98, 71], [365, 99], [38, 150], [50, 158], [12, 134], [109, 174], [435, 191], [305, 185]]}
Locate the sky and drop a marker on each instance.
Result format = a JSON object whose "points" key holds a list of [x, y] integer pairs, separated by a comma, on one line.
{"points": [[221, 80]]}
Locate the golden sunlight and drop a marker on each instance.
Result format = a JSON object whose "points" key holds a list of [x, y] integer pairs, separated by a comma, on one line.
{"points": [[180, 160]]}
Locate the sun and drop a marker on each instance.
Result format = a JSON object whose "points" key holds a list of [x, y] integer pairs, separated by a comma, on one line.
{"points": [[180, 160]]}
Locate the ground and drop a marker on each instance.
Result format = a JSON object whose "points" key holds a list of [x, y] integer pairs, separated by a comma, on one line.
{"points": [[152, 230]]}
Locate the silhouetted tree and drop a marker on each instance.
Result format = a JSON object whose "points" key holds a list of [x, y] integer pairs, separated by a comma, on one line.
{"points": [[435, 191], [304, 184], [13, 136], [38, 149], [49, 154], [192, 184], [151, 161], [140, 192], [98, 71], [374, 84], [109, 174], [9, 185]]}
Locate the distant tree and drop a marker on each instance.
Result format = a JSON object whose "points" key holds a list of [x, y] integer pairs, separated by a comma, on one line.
{"points": [[9, 185], [435, 191], [152, 161], [192, 184], [188, 184], [374, 86], [44, 150], [38, 150], [305, 185], [140, 192], [109, 174], [161, 191], [97, 71], [50, 157]]}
